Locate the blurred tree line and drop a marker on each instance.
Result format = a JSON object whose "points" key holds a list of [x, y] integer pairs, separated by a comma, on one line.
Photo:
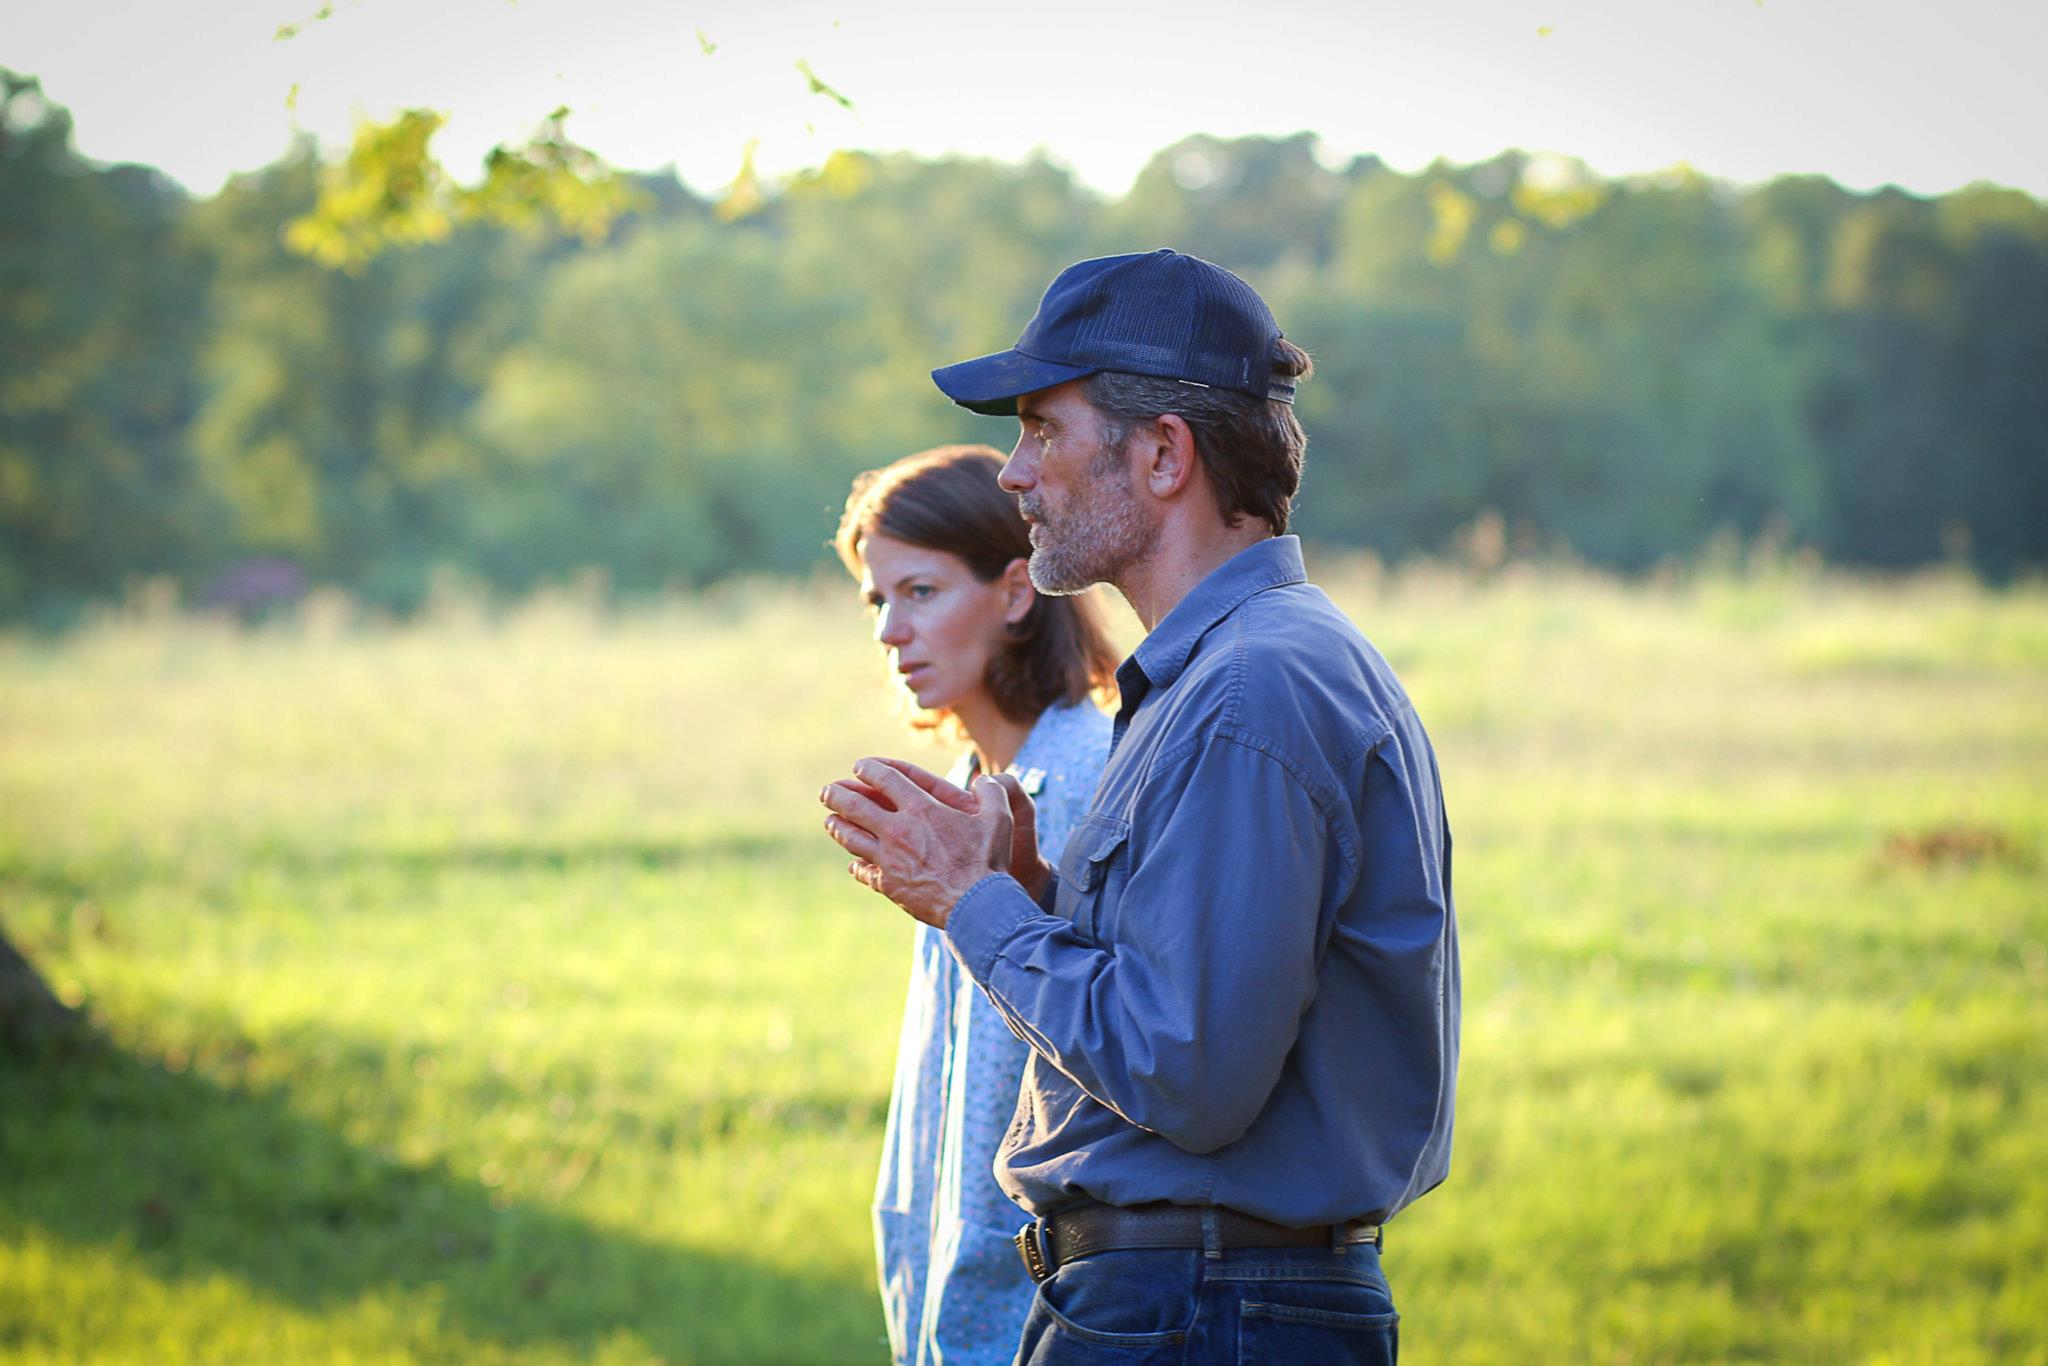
{"points": [[1622, 368]]}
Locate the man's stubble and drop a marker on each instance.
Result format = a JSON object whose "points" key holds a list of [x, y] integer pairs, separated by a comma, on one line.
{"points": [[1098, 536]]}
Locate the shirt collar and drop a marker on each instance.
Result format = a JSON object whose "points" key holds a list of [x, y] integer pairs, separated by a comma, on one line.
{"points": [[1264, 564]]}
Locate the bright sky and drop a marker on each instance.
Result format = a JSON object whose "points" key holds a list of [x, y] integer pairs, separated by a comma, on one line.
{"points": [[1927, 94]]}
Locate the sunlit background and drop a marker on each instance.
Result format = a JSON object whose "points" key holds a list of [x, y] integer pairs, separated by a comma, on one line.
{"points": [[1870, 92], [419, 651]]}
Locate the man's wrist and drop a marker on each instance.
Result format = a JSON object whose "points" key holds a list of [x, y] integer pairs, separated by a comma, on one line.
{"points": [[953, 892], [1034, 879], [983, 918]]}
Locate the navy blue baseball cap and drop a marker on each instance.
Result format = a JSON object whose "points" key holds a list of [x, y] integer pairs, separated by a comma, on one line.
{"points": [[1156, 313]]}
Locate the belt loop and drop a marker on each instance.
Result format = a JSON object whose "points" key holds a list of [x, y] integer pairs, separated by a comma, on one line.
{"points": [[1212, 1233], [1337, 1240]]}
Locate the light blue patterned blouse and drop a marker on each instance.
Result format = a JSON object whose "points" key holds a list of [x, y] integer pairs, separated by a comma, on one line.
{"points": [[953, 1288]]}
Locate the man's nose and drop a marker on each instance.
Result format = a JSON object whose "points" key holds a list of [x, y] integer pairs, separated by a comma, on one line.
{"points": [[1016, 476]]}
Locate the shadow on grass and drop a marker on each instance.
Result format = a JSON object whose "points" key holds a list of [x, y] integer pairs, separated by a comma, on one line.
{"points": [[198, 1178]]}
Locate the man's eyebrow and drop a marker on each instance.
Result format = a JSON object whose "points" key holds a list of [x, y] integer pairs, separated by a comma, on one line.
{"points": [[1026, 413]]}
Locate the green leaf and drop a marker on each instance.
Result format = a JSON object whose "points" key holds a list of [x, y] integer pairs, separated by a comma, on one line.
{"points": [[818, 87]]}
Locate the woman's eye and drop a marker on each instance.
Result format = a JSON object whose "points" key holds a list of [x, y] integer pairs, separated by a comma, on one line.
{"points": [[922, 590]]}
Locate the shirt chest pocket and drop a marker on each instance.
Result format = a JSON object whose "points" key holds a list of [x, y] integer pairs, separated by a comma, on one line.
{"points": [[1093, 869]]}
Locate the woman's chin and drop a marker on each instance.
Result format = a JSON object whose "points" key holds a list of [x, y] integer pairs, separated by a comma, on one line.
{"points": [[932, 699]]}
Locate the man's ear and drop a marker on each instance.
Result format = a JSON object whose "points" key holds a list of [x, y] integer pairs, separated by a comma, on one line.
{"points": [[1171, 461], [1018, 594]]}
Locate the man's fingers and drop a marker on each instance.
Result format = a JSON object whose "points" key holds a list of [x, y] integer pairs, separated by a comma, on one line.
{"points": [[932, 784], [854, 840], [870, 791], [894, 786], [866, 874], [852, 800]]}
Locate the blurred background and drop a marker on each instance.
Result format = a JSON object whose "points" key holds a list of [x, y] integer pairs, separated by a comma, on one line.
{"points": [[420, 427], [279, 372]]}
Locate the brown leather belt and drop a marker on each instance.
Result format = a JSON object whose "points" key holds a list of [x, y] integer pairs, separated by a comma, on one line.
{"points": [[1048, 1244]]}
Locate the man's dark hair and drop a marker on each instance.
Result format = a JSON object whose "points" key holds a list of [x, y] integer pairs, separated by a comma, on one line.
{"points": [[1251, 447]]}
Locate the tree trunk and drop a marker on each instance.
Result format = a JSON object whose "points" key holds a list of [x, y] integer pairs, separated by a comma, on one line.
{"points": [[31, 1016]]}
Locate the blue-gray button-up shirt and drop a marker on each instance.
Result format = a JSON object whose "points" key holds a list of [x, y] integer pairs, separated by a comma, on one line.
{"points": [[1243, 989]]}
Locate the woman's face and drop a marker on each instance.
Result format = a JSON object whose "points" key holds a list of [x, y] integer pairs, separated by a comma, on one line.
{"points": [[940, 624]]}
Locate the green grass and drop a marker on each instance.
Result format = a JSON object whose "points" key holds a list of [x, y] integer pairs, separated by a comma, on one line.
{"points": [[483, 990]]}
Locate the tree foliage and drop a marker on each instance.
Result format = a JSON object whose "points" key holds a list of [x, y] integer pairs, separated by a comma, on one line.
{"points": [[673, 393], [390, 190], [100, 293]]}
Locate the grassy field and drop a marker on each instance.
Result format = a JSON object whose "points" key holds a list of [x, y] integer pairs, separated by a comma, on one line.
{"points": [[482, 990]]}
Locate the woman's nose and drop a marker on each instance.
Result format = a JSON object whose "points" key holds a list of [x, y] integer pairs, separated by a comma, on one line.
{"points": [[891, 628]]}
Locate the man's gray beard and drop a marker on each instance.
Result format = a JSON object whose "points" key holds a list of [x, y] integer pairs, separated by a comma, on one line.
{"points": [[1098, 539]]}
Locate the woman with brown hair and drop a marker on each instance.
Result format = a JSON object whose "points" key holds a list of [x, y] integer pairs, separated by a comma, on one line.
{"points": [[940, 553]]}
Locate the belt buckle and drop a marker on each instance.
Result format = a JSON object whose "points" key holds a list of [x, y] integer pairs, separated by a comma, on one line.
{"points": [[1034, 1246]]}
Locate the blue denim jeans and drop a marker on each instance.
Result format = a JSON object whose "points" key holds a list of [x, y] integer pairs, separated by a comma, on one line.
{"points": [[1289, 1306]]}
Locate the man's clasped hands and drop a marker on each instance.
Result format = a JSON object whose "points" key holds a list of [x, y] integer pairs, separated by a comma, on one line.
{"points": [[922, 842]]}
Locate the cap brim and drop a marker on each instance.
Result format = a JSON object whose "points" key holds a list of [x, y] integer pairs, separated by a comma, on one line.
{"points": [[991, 385]]}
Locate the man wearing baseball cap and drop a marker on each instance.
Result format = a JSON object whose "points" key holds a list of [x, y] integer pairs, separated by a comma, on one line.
{"points": [[1241, 986]]}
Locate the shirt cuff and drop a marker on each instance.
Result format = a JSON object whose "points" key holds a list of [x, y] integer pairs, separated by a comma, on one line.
{"points": [[984, 918]]}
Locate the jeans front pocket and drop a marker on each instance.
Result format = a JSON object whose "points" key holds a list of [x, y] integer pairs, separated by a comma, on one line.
{"points": [[1131, 1308]]}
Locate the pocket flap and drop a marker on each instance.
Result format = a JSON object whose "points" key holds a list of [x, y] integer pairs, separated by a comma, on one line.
{"points": [[1090, 849]]}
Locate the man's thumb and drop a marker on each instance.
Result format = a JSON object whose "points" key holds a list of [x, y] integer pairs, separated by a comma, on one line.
{"points": [[994, 815], [1020, 801]]}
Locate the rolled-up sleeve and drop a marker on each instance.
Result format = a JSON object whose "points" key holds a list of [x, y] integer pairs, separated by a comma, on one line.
{"points": [[1183, 1021]]}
